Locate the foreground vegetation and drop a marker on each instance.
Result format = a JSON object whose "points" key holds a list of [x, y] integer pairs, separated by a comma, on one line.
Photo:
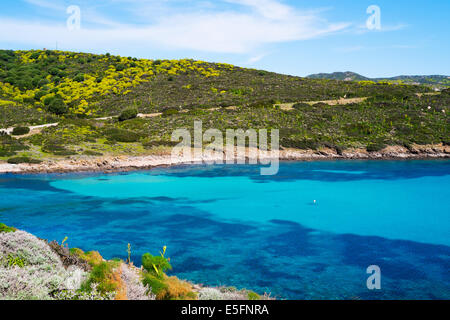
{"points": [[31, 268], [109, 105]]}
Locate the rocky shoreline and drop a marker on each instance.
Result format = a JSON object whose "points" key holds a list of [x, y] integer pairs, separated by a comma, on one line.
{"points": [[130, 163]]}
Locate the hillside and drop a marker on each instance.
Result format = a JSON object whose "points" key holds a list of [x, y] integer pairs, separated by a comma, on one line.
{"points": [[435, 81], [346, 76], [81, 95]]}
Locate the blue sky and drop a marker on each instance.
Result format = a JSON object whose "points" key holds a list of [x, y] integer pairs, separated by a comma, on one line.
{"points": [[286, 36]]}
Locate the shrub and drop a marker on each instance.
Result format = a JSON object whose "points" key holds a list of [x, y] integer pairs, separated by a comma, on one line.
{"points": [[169, 112], [18, 160], [69, 257], [38, 95], [5, 228], [303, 144], [376, 146], [155, 265], [253, 296], [79, 77], [48, 100], [156, 285], [121, 135], [149, 144], [222, 294], [135, 289], [56, 148], [92, 153], [262, 104], [20, 131], [35, 55], [93, 294], [13, 261], [120, 67], [41, 274], [179, 290], [57, 106], [101, 274], [301, 106], [168, 288], [43, 82], [128, 114], [53, 71]]}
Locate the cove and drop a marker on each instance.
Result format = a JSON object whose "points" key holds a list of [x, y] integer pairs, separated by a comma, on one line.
{"points": [[228, 225]]}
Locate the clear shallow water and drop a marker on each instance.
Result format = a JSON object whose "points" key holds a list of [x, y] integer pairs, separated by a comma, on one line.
{"points": [[229, 225]]}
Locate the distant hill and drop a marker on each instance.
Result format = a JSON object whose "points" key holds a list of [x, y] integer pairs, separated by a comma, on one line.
{"points": [[346, 76], [438, 81]]}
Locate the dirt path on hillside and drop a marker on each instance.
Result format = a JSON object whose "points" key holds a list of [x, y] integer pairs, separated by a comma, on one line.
{"points": [[335, 102], [39, 128]]}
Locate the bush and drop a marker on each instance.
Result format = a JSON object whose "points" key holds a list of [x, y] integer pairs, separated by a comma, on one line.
{"points": [[20, 131], [375, 147], [18, 160], [92, 153], [121, 135], [103, 275], [300, 144], [169, 288], [120, 67], [128, 114], [79, 77], [53, 71], [43, 82], [5, 228], [157, 286], [262, 104], [253, 296], [170, 111], [57, 106], [48, 100], [301, 106], [42, 273], [155, 265], [149, 144], [57, 149], [38, 95]]}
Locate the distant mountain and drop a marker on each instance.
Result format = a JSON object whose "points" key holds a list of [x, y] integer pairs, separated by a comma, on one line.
{"points": [[438, 81], [346, 76]]}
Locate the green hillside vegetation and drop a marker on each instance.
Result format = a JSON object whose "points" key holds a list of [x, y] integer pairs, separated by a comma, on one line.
{"points": [[76, 89]]}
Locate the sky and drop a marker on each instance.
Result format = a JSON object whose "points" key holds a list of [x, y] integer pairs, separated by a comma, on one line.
{"points": [[286, 36]]}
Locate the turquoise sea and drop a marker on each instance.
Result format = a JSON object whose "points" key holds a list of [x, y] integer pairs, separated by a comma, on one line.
{"points": [[227, 225]]}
